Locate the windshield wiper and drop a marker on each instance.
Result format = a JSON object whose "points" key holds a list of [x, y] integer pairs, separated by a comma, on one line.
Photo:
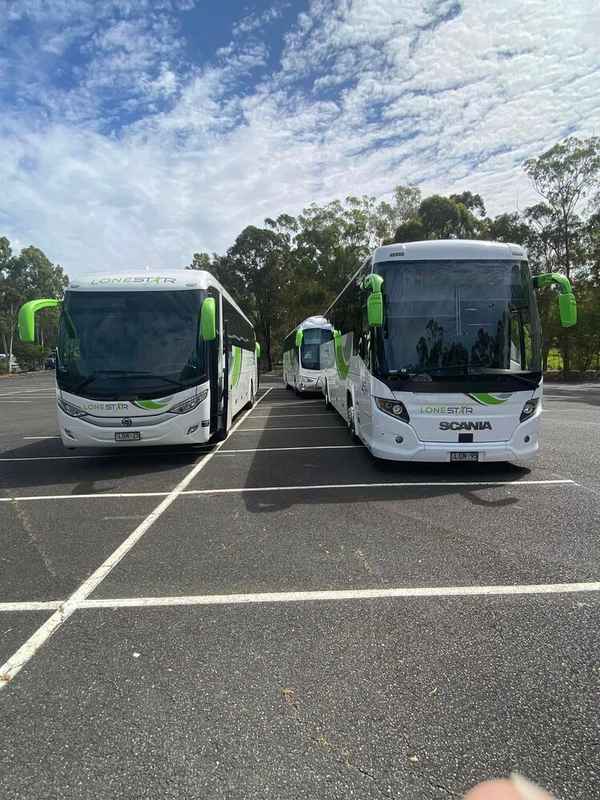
{"points": [[458, 372]]}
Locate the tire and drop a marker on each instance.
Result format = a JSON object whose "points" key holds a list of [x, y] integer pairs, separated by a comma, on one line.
{"points": [[350, 419], [252, 400]]}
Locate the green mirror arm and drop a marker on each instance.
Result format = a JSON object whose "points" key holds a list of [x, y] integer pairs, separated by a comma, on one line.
{"points": [[549, 278], [566, 300], [340, 363], [26, 318], [299, 338], [373, 282]]}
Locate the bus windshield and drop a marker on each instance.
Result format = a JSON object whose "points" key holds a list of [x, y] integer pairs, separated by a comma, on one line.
{"points": [[130, 344], [312, 339], [448, 317]]}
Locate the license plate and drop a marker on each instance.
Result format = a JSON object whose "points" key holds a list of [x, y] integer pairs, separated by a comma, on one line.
{"points": [[464, 456], [127, 436]]}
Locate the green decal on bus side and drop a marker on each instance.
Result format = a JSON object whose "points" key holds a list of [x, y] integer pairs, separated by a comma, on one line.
{"points": [[487, 399], [236, 368], [151, 405], [340, 362]]}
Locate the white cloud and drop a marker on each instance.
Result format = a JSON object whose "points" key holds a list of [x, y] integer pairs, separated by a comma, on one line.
{"points": [[369, 94]]}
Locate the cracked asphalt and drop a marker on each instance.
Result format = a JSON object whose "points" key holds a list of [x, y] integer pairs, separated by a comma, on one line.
{"points": [[388, 697]]}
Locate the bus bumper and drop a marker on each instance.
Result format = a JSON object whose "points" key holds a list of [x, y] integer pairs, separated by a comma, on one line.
{"points": [[523, 446], [177, 430]]}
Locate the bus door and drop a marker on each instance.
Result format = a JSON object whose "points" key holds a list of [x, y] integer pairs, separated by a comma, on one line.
{"points": [[215, 361]]}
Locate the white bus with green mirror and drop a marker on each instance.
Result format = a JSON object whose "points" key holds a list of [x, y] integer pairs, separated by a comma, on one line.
{"points": [[144, 358], [438, 351], [304, 358]]}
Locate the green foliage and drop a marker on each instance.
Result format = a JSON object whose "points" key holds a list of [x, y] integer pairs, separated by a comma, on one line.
{"points": [[295, 266], [24, 277], [30, 355]]}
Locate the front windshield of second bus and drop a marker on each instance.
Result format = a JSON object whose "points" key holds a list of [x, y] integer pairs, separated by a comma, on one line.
{"points": [[130, 344], [444, 317], [310, 352]]}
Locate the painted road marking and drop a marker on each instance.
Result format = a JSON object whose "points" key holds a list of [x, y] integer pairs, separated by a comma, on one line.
{"points": [[50, 605], [41, 437], [288, 416], [344, 594], [287, 449], [314, 487], [340, 427], [18, 660], [315, 596]]}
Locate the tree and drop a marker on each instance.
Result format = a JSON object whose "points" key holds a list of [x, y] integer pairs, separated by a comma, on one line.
{"points": [[257, 265], [200, 261], [25, 277], [443, 218], [563, 176], [472, 202], [412, 230]]}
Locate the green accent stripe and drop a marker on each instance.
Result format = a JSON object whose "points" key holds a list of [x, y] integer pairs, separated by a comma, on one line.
{"points": [[487, 399], [236, 368], [342, 367], [151, 405]]}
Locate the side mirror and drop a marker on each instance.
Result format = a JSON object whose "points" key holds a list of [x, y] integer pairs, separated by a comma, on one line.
{"points": [[26, 318], [375, 300], [299, 338], [258, 351], [567, 304], [208, 319], [375, 310]]}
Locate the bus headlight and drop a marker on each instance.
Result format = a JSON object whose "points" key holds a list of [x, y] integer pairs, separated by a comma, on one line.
{"points": [[529, 409], [70, 409], [190, 404], [393, 407]]}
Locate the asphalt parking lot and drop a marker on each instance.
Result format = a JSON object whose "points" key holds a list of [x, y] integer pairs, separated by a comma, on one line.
{"points": [[284, 617]]}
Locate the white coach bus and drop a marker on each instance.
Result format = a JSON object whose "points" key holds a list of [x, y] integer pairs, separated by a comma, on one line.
{"points": [[149, 359], [304, 358], [438, 351]]}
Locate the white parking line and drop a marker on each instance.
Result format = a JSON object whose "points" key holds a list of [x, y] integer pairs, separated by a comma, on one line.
{"points": [[41, 437], [137, 453], [287, 449], [288, 416], [298, 403], [340, 427], [18, 660], [313, 487], [344, 594], [315, 596], [49, 605]]}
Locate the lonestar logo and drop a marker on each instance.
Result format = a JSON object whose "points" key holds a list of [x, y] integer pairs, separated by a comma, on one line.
{"points": [[484, 425], [148, 279]]}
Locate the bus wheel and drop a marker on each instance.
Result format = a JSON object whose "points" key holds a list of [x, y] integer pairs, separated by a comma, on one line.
{"points": [[252, 399], [352, 423]]}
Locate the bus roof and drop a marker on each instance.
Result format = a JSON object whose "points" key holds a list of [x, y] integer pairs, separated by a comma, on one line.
{"points": [[150, 280], [449, 249], [311, 322]]}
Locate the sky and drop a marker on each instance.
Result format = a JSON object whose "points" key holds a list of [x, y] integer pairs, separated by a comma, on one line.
{"points": [[134, 133]]}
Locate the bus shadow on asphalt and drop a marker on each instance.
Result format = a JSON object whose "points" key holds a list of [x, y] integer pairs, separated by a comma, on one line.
{"points": [[369, 470], [87, 468]]}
